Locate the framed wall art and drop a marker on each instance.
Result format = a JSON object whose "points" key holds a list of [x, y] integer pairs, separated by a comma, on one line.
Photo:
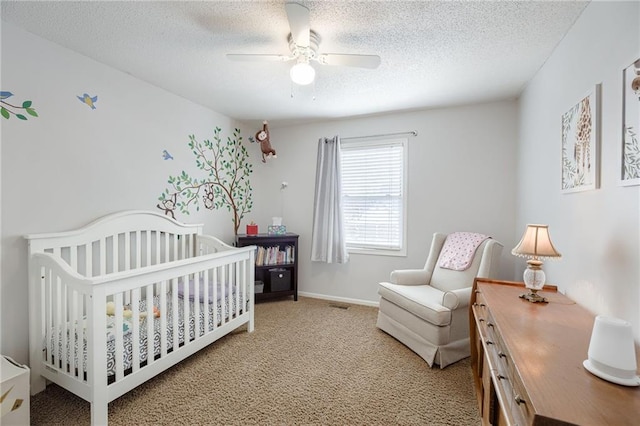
{"points": [[580, 143], [630, 164]]}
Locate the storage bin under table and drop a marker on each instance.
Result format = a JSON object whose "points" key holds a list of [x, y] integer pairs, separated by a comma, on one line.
{"points": [[280, 279]]}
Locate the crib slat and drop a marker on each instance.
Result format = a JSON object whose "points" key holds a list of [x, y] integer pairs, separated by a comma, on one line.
{"points": [[150, 335], [223, 295], [207, 305], [112, 260], [163, 318], [236, 284], [97, 354], [119, 335], [228, 281], [85, 307], [214, 277], [230, 296], [185, 308], [174, 306], [196, 305], [135, 332], [74, 330], [56, 318], [46, 314], [63, 324], [244, 280]]}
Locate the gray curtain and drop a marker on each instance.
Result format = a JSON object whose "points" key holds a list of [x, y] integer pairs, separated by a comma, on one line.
{"points": [[328, 239]]}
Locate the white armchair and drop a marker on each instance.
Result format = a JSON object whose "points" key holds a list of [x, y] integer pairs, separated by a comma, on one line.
{"points": [[428, 309]]}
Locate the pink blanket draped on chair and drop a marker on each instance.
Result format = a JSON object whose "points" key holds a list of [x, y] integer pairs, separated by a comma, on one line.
{"points": [[459, 249]]}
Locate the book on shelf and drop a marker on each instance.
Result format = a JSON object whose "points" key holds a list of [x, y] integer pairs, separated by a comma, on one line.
{"points": [[274, 255]]}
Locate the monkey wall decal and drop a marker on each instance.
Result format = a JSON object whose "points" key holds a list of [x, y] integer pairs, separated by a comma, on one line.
{"points": [[262, 137], [168, 205]]}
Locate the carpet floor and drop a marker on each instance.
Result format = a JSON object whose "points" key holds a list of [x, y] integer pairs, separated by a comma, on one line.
{"points": [[310, 362]]}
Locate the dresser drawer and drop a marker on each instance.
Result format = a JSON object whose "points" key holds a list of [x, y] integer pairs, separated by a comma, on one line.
{"points": [[480, 313], [508, 387], [511, 396], [520, 404]]}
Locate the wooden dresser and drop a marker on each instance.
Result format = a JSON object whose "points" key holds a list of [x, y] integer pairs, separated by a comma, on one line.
{"points": [[527, 362]]}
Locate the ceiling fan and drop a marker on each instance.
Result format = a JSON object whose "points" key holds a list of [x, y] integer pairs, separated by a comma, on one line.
{"points": [[304, 43]]}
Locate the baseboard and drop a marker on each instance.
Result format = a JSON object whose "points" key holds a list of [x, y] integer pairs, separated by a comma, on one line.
{"points": [[339, 299]]}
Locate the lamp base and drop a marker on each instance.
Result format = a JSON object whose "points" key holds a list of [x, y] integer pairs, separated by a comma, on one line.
{"points": [[534, 297]]}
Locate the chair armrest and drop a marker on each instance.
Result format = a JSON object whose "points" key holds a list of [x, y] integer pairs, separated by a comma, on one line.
{"points": [[410, 277], [455, 299]]}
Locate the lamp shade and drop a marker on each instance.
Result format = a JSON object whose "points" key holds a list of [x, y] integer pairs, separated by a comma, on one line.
{"points": [[302, 73], [536, 243], [612, 354]]}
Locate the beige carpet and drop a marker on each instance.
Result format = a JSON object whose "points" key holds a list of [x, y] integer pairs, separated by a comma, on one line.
{"points": [[308, 362]]}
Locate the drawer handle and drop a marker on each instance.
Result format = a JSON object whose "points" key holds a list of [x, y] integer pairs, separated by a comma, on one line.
{"points": [[489, 342], [519, 400], [477, 292], [481, 319], [502, 354], [501, 377], [482, 305], [489, 324]]}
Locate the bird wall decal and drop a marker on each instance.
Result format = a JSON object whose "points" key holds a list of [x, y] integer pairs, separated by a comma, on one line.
{"points": [[86, 99]]}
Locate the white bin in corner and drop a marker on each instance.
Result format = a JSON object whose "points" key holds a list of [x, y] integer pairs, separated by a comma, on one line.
{"points": [[14, 392]]}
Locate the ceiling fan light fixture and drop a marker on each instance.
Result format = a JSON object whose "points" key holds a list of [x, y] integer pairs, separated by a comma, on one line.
{"points": [[302, 73]]}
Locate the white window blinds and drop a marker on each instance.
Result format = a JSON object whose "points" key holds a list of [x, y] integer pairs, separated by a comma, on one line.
{"points": [[373, 193]]}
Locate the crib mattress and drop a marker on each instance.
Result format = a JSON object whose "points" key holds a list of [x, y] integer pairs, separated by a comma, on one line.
{"points": [[209, 308]]}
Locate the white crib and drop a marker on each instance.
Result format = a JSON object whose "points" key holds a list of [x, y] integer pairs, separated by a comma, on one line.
{"points": [[171, 292]]}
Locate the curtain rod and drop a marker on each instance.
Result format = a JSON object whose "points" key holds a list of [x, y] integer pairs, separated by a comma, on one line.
{"points": [[413, 133]]}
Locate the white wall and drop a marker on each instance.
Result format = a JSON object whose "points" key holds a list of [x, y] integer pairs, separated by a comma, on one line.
{"points": [[596, 231], [461, 178], [73, 164]]}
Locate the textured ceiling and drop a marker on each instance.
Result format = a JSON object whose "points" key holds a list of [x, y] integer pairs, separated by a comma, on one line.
{"points": [[434, 53]]}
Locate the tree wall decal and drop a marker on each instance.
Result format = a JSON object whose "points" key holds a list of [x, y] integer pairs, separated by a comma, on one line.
{"points": [[6, 109], [227, 183]]}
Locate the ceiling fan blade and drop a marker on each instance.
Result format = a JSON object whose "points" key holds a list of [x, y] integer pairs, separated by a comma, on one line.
{"points": [[298, 16], [349, 60], [257, 57]]}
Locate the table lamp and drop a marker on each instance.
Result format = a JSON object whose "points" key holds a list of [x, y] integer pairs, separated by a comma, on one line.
{"points": [[535, 245]]}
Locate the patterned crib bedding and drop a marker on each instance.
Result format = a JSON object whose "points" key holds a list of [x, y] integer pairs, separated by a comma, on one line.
{"points": [[229, 309]]}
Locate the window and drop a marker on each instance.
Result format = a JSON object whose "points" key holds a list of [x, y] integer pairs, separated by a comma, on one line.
{"points": [[373, 195]]}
